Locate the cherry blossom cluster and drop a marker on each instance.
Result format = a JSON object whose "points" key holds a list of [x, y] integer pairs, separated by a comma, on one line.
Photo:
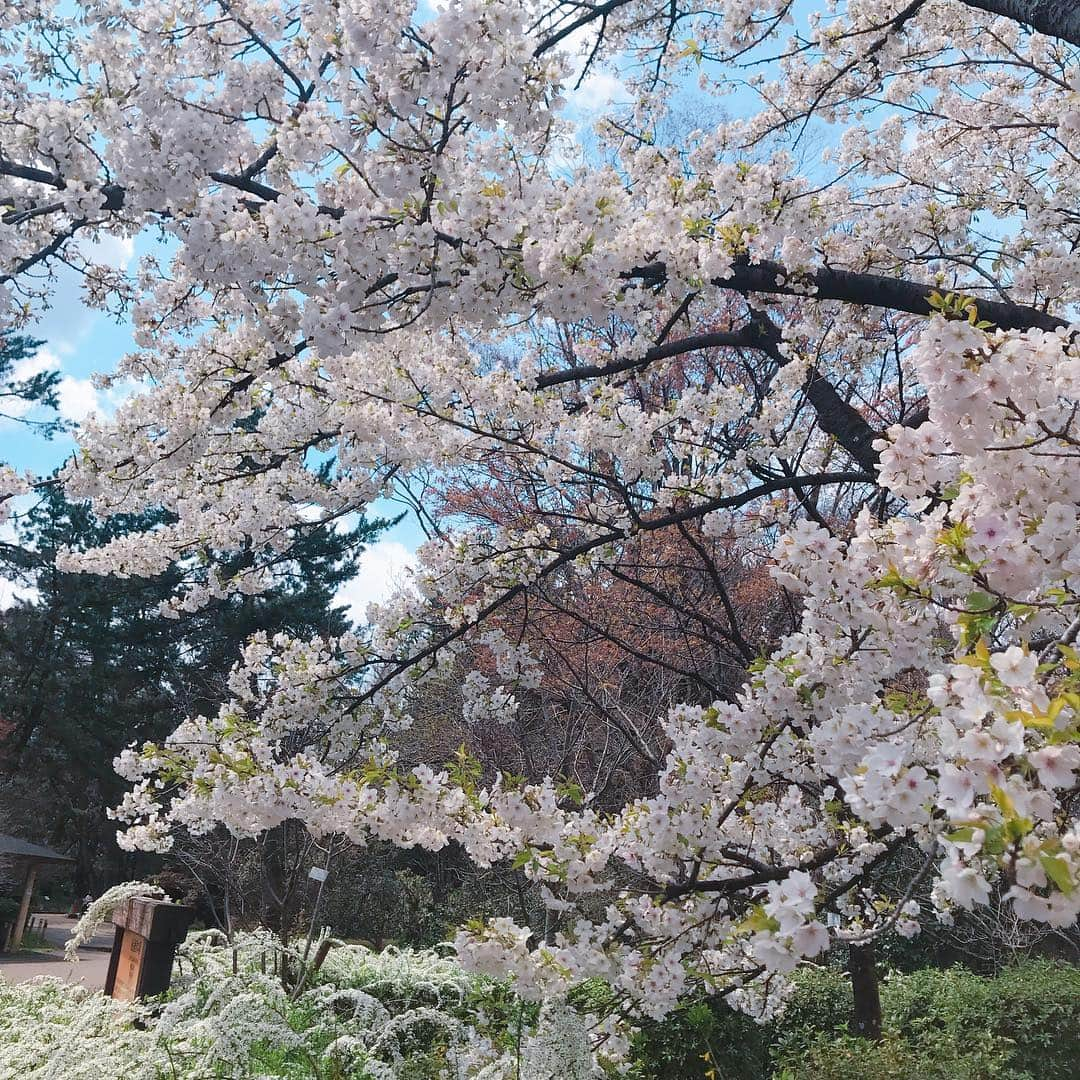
{"points": [[911, 703], [382, 269]]}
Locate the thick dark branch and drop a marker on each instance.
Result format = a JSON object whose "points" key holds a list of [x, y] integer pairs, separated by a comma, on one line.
{"points": [[842, 421], [746, 336], [1055, 18], [28, 172], [592, 13], [242, 182], [761, 876], [867, 290], [836, 417], [241, 384], [46, 252]]}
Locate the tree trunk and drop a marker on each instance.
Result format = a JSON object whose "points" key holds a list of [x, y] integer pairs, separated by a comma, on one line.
{"points": [[866, 1011], [1056, 18]]}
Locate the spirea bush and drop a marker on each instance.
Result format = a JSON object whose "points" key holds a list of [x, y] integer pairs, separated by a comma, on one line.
{"points": [[230, 1015]]}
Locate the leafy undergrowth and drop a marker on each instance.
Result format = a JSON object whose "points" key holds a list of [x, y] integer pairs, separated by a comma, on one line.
{"points": [[394, 1015], [940, 1024], [416, 1015]]}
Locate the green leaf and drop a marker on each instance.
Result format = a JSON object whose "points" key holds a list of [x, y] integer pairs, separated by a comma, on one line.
{"points": [[757, 920], [1003, 800], [1057, 870], [962, 835]]}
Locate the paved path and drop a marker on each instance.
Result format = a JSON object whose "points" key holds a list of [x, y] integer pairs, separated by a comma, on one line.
{"points": [[90, 970]]}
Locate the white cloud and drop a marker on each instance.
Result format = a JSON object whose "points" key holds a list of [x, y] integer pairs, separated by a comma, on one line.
{"points": [[68, 321], [77, 398], [114, 251], [11, 592], [599, 88], [43, 360], [383, 570]]}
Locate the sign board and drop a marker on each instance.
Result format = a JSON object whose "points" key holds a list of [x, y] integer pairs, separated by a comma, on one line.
{"points": [[147, 934], [126, 980]]}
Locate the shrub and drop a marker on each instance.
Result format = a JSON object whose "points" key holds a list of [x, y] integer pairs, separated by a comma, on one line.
{"points": [[1033, 1007], [1022, 1023], [705, 1039], [50, 1029], [819, 1005], [396, 1015], [844, 1057]]}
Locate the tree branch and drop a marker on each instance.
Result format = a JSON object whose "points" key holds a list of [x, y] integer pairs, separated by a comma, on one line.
{"points": [[866, 290], [1055, 18]]}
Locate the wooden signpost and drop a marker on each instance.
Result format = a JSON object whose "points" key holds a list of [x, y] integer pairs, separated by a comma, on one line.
{"points": [[147, 934]]}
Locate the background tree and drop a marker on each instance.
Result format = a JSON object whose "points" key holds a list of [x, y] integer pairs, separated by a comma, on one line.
{"points": [[23, 387], [89, 664]]}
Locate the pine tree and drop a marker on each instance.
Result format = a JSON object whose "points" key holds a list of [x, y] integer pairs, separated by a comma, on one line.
{"points": [[18, 390], [89, 665]]}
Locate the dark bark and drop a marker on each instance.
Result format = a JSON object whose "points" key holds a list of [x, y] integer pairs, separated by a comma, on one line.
{"points": [[734, 339], [865, 290], [1055, 18], [866, 1001], [842, 421]]}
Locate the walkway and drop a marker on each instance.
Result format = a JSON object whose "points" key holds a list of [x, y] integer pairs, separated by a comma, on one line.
{"points": [[93, 958]]}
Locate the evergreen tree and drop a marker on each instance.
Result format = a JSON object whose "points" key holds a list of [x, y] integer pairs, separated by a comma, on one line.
{"points": [[89, 665], [19, 389]]}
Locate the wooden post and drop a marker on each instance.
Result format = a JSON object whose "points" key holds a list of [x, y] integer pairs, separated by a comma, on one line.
{"points": [[24, 906], [147, 934]]}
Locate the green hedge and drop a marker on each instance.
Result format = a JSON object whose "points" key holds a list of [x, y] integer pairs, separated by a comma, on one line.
{"points": [[844, 1057], [1023, 1024], [703, 1041]]}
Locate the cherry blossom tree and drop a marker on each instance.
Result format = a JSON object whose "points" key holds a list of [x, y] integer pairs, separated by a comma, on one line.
{"points": [[863, 287]]}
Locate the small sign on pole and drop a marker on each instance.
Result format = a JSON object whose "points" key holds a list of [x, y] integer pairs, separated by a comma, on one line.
{"points": [[147, 934]]}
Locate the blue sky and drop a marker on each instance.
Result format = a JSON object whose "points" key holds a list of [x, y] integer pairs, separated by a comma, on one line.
{"points": [[79, 342]]}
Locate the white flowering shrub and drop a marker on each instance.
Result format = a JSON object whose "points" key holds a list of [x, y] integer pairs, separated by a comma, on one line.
{"points": [[51, 1030], [97, 914], [365, 1015]]}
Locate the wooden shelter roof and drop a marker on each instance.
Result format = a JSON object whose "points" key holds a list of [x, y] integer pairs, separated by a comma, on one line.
{"points": [[12, 845]]}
